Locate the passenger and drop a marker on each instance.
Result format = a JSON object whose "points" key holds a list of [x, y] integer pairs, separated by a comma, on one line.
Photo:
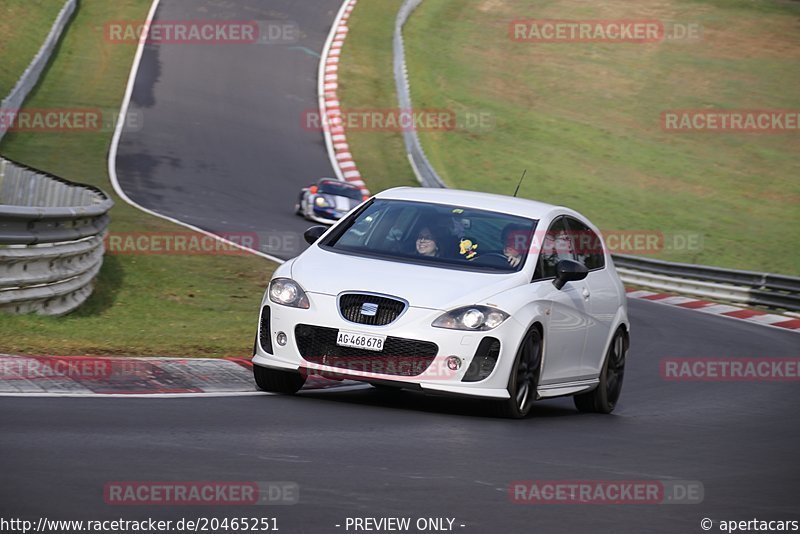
{"points": [[426, 243]]}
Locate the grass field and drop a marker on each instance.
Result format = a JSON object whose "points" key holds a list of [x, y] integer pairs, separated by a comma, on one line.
{"points": [[585, 119], [24, 24], [144, 304], [367, 60]]}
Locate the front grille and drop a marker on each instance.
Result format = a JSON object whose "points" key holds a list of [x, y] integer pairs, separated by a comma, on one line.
{"points": [[400, 357], [389, 309]]}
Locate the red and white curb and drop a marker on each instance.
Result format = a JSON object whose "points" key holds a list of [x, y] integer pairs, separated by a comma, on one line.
{"points": [[329, 104], [96, 376], [726, 310]]}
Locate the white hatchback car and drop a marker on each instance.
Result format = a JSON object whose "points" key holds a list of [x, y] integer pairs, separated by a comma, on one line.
{"points": [[452, 292]]}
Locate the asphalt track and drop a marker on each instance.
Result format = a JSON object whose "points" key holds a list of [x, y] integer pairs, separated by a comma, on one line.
{"points": [[223, 148], [222, 143], [370, 453]]}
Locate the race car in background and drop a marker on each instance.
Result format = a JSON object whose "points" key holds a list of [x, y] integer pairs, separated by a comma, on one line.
{"points": [[328, 200]]}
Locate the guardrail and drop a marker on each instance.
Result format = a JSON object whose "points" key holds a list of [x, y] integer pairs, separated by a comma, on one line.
{"points": [[746, 287], [51, 240], [423, 169], [13, 102]]}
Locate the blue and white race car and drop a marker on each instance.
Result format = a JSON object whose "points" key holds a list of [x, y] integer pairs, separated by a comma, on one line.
{"points": [[328, 200]]}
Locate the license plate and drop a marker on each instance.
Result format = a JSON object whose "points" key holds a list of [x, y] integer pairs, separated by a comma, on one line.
{"points": [[358, 340]]}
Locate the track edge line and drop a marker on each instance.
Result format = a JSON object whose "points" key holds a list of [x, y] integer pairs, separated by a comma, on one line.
{"points": [[112, 151]]}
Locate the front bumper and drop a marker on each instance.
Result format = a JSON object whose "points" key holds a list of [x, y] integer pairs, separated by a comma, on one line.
{"points": [[414, 324]]}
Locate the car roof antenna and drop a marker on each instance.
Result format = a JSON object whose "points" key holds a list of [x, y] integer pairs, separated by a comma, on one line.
{"points": [[520, 182]]}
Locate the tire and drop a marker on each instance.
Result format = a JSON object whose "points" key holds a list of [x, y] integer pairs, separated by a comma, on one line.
{"points": [[524, 378], [603, 399], [276, 381]]}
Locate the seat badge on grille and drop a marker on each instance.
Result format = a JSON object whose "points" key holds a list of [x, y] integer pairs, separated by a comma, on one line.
{"points": [[369, 309]]}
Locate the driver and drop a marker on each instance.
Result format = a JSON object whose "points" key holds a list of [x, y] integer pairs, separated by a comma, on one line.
{"points": [[515, 244]]}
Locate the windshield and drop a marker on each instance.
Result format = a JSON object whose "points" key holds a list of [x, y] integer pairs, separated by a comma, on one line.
{"points": [[437, 234], [332, 188]]}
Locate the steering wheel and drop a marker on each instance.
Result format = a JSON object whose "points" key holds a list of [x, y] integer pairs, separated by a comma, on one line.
{"points": [[493, 255], [494, 258]]}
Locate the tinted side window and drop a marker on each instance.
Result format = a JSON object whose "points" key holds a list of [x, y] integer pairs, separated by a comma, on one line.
{"points": [[587, 245], [556, 246], [361, 229]]}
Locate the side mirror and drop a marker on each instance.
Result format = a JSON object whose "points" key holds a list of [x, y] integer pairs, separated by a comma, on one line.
{"points": [[569, 271], [315, 232]]}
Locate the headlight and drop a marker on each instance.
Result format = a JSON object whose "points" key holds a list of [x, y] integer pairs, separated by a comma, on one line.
{"points": [[287, 292], [321, 202], [479, 318]]}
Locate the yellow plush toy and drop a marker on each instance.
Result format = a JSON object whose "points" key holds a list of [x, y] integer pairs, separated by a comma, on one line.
{"points": [[468, 249]]}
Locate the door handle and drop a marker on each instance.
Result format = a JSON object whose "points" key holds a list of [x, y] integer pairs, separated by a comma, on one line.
{"points": [[586, 293]]}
